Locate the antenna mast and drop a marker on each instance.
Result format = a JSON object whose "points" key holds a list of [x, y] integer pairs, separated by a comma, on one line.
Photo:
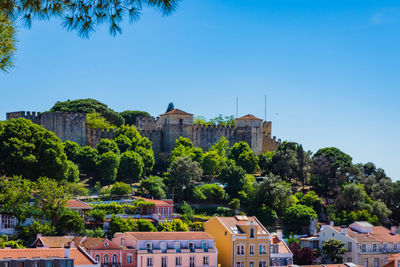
{"points": [[237, 107], [265, 108]]}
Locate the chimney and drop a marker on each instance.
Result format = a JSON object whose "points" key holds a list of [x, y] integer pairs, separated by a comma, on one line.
{"points": [[38, 235], [72, 244], [67, 251], [393, 230], [331, 223], [279, 234]]}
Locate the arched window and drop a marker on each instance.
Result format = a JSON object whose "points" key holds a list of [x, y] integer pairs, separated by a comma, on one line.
{"points": [[97, 258], [106, 259], [114, 258]]}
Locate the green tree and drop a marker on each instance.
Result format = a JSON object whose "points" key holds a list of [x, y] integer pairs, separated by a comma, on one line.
{"points": [[30, 150], [211, 161], [221, 146], [213, 193], [107, 145], [28, 233], [15, 193], [7, 42], [108, 167], [120, 189], [312, 200], [118, 225], [285, 162], [88, 159], [148, 159], [95, 120], [71, 149], [176, 225], [297, 217], [184, 148], [88, 106], [381, 211], [182, 171], [235, 178], [170, 107], [238, 149], [265, 161], [333, 251], [234, 204], [248, 161], [123, 143], [73, 172], [131, 116], [70, 222], [77, 189], [145, 226], [98, 215], [153, 186], [95, 233], [131, 166]]}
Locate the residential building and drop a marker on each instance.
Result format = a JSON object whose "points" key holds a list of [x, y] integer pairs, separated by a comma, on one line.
{"points": [[7, 224], [280, 254], [240, 240], [170, 249], [367, 245], [101, 250], [46, 257], [79, 206], [164, 208]]}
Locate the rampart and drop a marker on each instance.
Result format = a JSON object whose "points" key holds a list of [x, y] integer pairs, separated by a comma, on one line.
{"points": [[94, 135]]}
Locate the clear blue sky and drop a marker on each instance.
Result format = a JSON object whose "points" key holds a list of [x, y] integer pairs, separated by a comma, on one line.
{"points": [[331, 69]]}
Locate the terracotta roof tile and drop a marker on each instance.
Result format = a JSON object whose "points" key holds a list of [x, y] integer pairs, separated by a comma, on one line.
{"points": [[79, 257], [379, 234], [249, 117], [74, 204], [176, 112], [282, 247], [170, 235], [233, 222]]}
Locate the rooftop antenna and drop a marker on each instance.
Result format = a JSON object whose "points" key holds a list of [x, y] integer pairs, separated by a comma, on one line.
{"points": [[265, 108], [237, 107]]}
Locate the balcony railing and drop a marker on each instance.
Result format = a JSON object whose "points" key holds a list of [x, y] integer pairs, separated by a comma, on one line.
{"points": [[378, 251]]}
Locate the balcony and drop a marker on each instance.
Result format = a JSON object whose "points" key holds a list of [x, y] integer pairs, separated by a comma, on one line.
{"points": [[378, 251]]}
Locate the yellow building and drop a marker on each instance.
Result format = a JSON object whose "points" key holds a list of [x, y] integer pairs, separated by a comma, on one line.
{"points": [[241, 241]]}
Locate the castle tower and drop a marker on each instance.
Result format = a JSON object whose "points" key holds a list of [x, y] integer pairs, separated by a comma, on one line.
{"points": [[249, 130], [174, 124]]}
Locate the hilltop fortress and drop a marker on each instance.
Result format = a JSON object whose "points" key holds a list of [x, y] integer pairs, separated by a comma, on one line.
{"points": [[162, 131]]}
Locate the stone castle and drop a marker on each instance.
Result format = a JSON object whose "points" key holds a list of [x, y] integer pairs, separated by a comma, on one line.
{"points": [[162, 131]]}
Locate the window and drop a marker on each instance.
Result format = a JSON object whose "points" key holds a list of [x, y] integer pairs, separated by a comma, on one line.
{"points": [[251, 264], [240, 249], [205, 260], [240, 264], [349, 247], [164, 262], [48, 264], [251, 232], [349, 260], [129, 259], [158, 210], [114, 258], [148, 247], [262, 249], [163, 247], [374, 246], [35, 263], [205, 246], [398, 263], [178, 261], [363, 248], [97, 258], [163, 211], [191, 262], [385, 247], [251, 249], [395, 247], [191, 246], [7, 221], [105, 259], [376, 262], [178, 247], [106, 244], [365, 262], [262, 264], [149, 261], [274, 249]]}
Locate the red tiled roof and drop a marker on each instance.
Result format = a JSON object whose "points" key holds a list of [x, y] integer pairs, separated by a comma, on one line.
{"points": [[62, 241], [76, 204], [176, 112], [155, 201], [249, 117], [170, 235], [79, 257], [379, 234], [233, 222]]}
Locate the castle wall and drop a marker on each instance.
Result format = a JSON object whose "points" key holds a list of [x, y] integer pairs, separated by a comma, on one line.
{"points": [[67, 126], [93, 136], [204, 136], [155, 137], [269, 143], [29, 115]]}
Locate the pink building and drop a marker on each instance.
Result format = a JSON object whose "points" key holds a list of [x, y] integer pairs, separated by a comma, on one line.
{"points": [[169, 249], [163, 207]]}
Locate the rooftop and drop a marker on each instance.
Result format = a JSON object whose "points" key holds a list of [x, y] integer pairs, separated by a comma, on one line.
{"points": [[176, 112], [282, 247], [234, 223], [170, 235], [378, 234], [62, 241], [155, 201], [80, 258], [77, 204], [249, 117]]}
